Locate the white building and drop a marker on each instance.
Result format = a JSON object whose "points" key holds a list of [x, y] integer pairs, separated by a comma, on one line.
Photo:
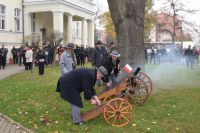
{"points": [[74, 19]]}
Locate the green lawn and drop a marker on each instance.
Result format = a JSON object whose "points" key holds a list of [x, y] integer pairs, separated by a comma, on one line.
{"points": [[173, 107]]}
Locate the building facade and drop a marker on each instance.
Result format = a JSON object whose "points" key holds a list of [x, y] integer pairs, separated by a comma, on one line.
{"points": [[73, 19], [163, 30]]}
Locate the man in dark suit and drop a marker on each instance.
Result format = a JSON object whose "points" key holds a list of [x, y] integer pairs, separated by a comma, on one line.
{"points": [[14, 52], [99, 55], [3, 56], [71, 84]]}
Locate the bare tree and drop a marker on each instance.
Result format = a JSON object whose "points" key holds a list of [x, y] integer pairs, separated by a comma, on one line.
{"points": [[98, 12], [55, 38], [32, 40], [128, 19], [178, 10]]}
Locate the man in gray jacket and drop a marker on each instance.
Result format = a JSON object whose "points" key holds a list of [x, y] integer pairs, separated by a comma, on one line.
{"points": [[67, 59]]}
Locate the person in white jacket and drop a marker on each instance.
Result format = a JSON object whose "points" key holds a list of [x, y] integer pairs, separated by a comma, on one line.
{"points": [[29, 58]]}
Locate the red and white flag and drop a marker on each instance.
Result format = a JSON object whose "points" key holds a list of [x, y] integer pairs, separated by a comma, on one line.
{"points": [[127, 68]]}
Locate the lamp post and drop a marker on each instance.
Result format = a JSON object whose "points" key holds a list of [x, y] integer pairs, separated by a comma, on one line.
{"points": [[174, 23]]}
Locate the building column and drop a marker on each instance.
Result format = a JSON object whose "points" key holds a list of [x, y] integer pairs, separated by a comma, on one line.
{"points": [[84, 31], [27, 24], [91, 33], [58, 22], [69, 28]]}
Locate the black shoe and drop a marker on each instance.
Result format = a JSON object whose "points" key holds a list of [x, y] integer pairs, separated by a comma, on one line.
{"points": [[79, 123]]}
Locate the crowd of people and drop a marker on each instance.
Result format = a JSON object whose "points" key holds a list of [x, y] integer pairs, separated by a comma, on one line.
{"points": [[186, 56]]}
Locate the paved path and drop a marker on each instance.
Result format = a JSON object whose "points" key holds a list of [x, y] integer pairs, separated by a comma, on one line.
{"points": [[9, 126], [6, 124], [10, 70]]}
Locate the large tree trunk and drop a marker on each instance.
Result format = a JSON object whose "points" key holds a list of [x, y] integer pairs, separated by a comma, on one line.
{"points": [[128, 19]]}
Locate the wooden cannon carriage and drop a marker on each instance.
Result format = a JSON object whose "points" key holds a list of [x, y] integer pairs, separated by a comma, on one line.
{"points": [[115, 106]]}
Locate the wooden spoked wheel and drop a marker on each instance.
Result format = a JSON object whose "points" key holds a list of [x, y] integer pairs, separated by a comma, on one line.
{"points": [[118, 112], [147, 81], [136, 90]]}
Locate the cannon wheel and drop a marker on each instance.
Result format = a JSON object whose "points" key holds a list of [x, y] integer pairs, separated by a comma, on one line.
{"points": [[118, 112], [147, 80], [136, 90]]}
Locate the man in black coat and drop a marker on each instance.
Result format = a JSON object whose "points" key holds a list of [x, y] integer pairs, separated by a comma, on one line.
{"points": [[3, 56], [99, 55], [82, 55], [14, 52], [188, 55], [71, 84]]}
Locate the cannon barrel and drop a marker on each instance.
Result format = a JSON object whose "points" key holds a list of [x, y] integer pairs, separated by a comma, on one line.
{"points": [[136, 71]]}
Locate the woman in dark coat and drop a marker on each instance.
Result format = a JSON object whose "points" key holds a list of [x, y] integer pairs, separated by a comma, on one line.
{"points": [[71, 84], [41, 60]]}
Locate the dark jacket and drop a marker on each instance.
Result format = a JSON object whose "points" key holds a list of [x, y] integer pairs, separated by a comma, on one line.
{"points": [[98, 56], [40, 55], [71, 84], [3, 52], [110, 65], [14, 51], [188, 52]]}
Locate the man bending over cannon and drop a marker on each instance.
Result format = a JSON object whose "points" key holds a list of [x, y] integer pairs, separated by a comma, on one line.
{"points": [[71, 84], [112, 65]]}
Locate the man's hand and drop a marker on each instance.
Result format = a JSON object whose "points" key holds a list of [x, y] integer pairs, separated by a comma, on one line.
{"points": [[92, 101], [108, 84], [97, 101]]}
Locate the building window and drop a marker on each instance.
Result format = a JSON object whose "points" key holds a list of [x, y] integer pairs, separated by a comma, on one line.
{"points": [[77, 29], [33, 22], [17, 19], [2, 17]]}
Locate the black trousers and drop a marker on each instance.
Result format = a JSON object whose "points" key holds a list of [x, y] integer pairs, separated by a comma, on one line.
{"points": [[41, 68], [82, 60], [2, 61], [20, 60], [28, 66], [51, 58], [15, 59]]}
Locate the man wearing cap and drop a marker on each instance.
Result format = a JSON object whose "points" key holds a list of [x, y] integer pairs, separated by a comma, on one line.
{"points": [[67, 59], [112, 65], [98, 55], [76, 81]]}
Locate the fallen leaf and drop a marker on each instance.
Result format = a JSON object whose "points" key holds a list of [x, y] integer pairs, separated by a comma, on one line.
{"points": [[35, 126], [133, 125]]}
